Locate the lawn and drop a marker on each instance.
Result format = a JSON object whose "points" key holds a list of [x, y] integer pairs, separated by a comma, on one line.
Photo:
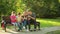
{"points": [[49, 22], [54, 32]]}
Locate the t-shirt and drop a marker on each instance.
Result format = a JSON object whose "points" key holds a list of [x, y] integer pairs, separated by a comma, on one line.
{"points": [[18, 18], [13, 18], [33, 15]]}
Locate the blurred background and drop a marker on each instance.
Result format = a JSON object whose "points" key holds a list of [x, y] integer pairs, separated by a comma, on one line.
{"points": [[42, 8], [47, 11]]}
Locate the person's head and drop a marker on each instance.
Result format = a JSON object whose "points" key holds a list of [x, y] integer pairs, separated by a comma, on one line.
{"points": [[25, 13], [13, 13], [30, 12], [19, 13]]}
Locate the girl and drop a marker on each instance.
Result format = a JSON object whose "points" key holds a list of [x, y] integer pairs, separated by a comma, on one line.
{"points": [[2, 24], [19, 22], [13, 19]]}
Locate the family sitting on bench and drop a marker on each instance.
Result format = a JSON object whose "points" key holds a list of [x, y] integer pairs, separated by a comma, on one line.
{"points": [[28, 18]]}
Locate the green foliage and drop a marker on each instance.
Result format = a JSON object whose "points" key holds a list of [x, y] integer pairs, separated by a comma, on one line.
{"points": [[6, 6], [42, 8]]}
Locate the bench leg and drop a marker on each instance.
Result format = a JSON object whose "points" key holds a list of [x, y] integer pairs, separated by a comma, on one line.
{"points": [[5, 27], [38, 25]]}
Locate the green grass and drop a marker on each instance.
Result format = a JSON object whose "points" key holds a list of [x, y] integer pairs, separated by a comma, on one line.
{"points": [[49, 22], [54, 32]]}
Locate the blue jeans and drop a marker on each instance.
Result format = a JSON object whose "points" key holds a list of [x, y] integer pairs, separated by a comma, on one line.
{"points": [[20, 26], [25, 23]]}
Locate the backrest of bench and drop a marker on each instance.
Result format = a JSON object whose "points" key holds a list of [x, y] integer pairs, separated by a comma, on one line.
{"points": [[7, 19]]}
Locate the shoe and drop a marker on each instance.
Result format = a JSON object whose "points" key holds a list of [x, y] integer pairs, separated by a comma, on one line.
{"points": [[34, 29], [23, 27], [27, 30]]}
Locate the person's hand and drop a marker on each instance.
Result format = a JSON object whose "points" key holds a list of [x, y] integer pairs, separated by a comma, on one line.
{"points": [[29, 16]]}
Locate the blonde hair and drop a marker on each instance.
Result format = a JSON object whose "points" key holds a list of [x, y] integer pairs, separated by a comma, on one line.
{"points": [[12, 13]]}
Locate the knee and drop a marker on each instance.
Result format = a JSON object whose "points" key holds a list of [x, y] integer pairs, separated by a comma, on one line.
{"points": [[38, 23]]}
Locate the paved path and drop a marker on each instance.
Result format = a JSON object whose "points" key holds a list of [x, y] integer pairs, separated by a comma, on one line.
{"points": [[43, 31]]}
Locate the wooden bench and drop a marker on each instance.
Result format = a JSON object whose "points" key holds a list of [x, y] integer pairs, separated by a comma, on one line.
{"points": [[7, 21]]}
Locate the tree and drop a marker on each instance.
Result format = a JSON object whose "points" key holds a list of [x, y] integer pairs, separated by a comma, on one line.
{"points": [[43, 8]]}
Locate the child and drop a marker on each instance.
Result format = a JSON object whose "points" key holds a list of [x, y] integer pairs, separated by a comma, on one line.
{"points": [[24, 20], [13, 19], [2, 24], [24, 16], [19, 22]]}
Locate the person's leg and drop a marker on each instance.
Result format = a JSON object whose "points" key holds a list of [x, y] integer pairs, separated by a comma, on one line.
{"points": [[29, 27], [5, 25], [25, 24], [35, 24], [38, 24], [18, 26], [2, 25], [21, 26], [14, 24]]}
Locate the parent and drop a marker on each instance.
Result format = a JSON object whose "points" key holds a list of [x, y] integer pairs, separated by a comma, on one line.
{"points": [[32, 20]]}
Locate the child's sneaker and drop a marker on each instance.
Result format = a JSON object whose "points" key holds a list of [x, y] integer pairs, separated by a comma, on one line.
{"points": [[27, 30], [23, 27]]}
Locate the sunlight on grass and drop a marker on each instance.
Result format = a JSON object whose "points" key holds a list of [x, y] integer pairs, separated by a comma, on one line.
{"points": [[54, 23], [59, 1], [48, 22], [54, 32]]}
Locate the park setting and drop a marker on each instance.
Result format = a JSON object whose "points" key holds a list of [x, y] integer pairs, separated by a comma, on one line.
{"points": [[29, 16]]}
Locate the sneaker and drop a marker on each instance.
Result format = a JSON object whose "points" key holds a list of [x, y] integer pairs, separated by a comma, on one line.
{"points": [[23, 27], [27, 30]]}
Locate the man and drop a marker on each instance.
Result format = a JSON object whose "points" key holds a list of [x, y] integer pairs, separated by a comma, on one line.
{"points": [[32, 20]]}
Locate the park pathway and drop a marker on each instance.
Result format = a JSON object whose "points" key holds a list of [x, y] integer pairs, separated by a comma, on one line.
{"points": [[43, 31]]}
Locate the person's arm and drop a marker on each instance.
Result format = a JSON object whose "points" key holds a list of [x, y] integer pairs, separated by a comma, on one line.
{"points": [[32, 17]]}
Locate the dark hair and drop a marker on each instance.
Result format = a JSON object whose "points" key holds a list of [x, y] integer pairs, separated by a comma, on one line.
{"points": [[19, 13], [13, 12]]}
